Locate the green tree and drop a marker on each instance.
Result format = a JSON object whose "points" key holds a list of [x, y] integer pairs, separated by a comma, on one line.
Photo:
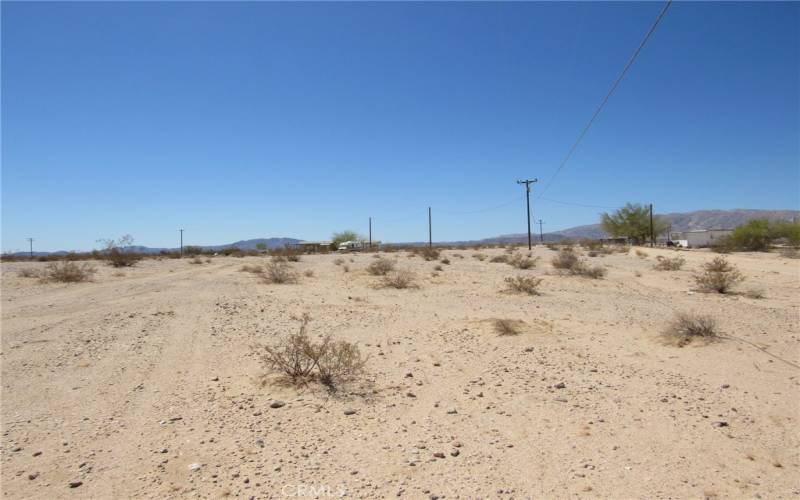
{"points": [[261, 246], [758, 235], [632, 221], [346, 235]]}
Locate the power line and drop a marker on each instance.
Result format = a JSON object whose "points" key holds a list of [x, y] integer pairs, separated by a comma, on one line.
{"points": [[610, 207], [607, 97], [488, 209], [528, 183]]}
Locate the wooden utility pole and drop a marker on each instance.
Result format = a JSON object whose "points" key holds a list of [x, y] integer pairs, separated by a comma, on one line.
{"points": [[370, 233], [181, 230], [528, 193], [652, 236], [541, 234], [430, 230], [30, 240]]}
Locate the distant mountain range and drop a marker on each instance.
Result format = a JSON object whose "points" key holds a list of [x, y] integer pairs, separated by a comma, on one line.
{"points": [[699, 219]]}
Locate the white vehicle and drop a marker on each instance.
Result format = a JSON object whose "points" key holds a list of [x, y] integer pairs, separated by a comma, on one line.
{"points": [[351, 246]]}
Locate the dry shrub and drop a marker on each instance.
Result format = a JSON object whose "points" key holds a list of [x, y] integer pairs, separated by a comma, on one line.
{"points": [[718, 276], [508, 326], [338, 261], [481, 257], [445, 261], [565, 259], [686, 327], [521, 262], [380, 267], [196, 260], [754, 294], [118, 257], [400, 279], [641, 254], [67, 272], [279, 272], [437, 267], [255, 269], [29, 272], [308, 273], [429, 253], [297, 356], [524, 284], [501, 259], [669, 263]]}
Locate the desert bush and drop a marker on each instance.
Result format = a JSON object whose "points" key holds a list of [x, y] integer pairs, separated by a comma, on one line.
{"points": [[380, 267], [641, 254], [754, 293], [29, 272], [196, 260], [429, 253], [481, 257], [565, 259], [437, 267], [399, 279], [445, 261], [669, 263], [301, 359], [278, 273], [521, 262], [508, 326], [524, 284], [255, 269], [338, 261], [718, 276], [286, 253], [594, 272], [118, 252], [686, 327], [308, 273], [500, 259], [67, 272]]}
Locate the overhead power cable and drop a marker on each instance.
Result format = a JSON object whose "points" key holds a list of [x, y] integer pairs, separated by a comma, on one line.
{"points": [[606, 98]]}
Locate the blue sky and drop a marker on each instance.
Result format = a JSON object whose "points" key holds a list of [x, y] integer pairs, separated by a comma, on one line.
{"points": [[244, 120]]}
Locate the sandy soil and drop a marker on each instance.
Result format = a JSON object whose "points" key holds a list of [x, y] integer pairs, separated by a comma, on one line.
{"points": [[144, 383]]}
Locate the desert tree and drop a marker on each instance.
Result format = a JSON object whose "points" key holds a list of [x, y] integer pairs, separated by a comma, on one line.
{"points": [[342, 236], [632, 221]]}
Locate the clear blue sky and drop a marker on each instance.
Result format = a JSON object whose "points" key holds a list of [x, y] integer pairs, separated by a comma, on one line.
{"points": [[244, 120]]}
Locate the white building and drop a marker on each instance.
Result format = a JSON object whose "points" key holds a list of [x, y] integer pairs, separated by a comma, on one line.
{"points": [[699, 237]]}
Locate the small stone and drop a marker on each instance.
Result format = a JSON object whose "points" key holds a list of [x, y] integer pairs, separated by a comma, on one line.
{"points": [[560, 385], [260, 443], [411, 394], [438, 454], [164, 450], [349, 411], [455, 453], [277, 404], [725, 386], [560, 400], [194, 467], [33, 476], [215, 379], [37, 453], [75, 484], [452, 411], [409, 375], [16, 449], [720, 424]]}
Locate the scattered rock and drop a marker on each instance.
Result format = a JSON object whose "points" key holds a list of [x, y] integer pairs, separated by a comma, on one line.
{"points": [[75, 484], [349, 411], [560, 385], [277, 404], [37, 453], [194, 467], [438, 454], [452, 411], [411, 394], [455, 453], [721, 423], [33, 476]]}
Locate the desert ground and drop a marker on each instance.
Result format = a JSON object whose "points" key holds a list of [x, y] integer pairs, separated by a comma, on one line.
{"points": [[145, 382]]}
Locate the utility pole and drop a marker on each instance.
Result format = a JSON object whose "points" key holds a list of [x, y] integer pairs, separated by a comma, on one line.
{"points": [[30, 240], [370, 233], [541, 234], [430, 230], [528, 193], [652, 236], [181, 242]]}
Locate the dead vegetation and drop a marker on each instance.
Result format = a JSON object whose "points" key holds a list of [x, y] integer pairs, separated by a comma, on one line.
{"points": [[279, 272], [521, 262], [29, 272], [67, 272], [523, 284], [669, 263], [429, 253], [567, 260], [252, 268], [380, 267], [301, 359], [507, 327], [641, 254], [686, 327], [481, 257], [399, 279], [500, 259], [718, 276]]}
